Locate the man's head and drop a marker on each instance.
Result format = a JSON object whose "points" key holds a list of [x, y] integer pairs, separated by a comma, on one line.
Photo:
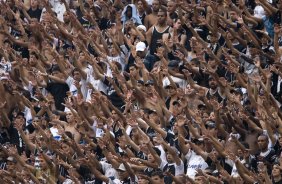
{"points": [[11, 163], [212, 83], [133, 70], [233, 16], [276, 172], [57, 72], [140, 6], [33, 59], [123, 174], [76, 74], [279, 4], [162, 16], [20, 117], [128, 12], [156, 6], [169, 156], [66, 17], [34, 4], [171, 6], [141, 49], [157, 177], [263, 142]]}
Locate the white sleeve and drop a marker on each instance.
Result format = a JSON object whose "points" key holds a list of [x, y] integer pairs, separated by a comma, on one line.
{"points": [[69, 81], [188, 155], [105, 166], [128, 130], [162, 165], [179, 169]]}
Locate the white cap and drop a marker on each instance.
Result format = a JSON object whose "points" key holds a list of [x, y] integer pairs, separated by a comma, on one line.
{"points": [[141, 46], [4, 78], [121, 167], [142, 27]]}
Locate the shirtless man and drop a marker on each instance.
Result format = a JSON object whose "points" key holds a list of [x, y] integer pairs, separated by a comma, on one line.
{"points": [[152, 18], [155, 33]]}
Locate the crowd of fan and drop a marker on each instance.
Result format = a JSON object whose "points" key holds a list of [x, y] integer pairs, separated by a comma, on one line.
{"points": [[141, 91]]}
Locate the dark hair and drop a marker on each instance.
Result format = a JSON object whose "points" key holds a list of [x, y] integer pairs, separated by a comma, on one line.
{"points": [[246, 145], [158, 151], [157, 172], [56, 68], [162, 9], [263, 135], [74, 70]]}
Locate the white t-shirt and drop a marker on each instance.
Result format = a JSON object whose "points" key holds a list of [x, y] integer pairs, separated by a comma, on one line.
{"points": [[108, 170], [120, 59], [194, 162], [55, 133], [163, 155], [179, 169], [259, 11], [182, 83], [84, 90]]}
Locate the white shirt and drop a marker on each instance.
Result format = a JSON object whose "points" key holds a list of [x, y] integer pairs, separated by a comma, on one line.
{"points": [[59, 8], [84, 90], [182, 83], [179, 169], [259, 11], [194, 162]]}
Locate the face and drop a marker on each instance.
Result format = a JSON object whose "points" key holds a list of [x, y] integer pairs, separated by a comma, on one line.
{"points": [[142, 181], [76, 76], [129, 12], [213, 39], [264, 40], [161, 17], [177, 24], [19, 118], [10, 166], [199, 180], [262, 142], [133, 70], [149, 88], [176, 109], [190, 91], [169, 158], [123, 175], [57, 74], [34, 3], [143, 147], [32, 60], [3, 60], [171, 91], [276, 171], [69, 117], [66, 17], [171, 7], [233, 16], [141, 54], [280, 140], [115, 116], [42, 163], [151, 158], [156, 5], [212, 83], [140, 6], [279, 5], [157, 180]]}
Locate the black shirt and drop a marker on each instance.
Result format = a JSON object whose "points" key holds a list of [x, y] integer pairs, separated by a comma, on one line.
{"points": [[59, 92], [35, 13]]}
